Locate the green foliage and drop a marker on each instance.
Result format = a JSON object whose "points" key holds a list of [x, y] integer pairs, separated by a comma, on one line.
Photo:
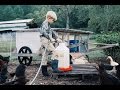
{"points": [[18, 11], [110, 38], [103, 18], [78, 16], [114, 24], [8, 13]]}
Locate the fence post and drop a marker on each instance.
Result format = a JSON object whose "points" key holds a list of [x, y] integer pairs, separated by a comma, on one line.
{"points": [[10, 45]]}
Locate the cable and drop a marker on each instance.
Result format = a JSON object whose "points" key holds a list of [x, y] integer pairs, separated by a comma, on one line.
{"points": [[38, 69]]}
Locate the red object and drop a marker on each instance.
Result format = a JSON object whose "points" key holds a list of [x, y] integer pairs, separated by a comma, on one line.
{"points": [[66, 69]]}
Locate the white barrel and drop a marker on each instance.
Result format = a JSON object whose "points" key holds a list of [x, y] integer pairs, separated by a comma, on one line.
{"points": [[62, 55]]}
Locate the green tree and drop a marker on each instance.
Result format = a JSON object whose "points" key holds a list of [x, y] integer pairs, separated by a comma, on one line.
{"points": [[1, 11], [8, 13], [18, 11]]}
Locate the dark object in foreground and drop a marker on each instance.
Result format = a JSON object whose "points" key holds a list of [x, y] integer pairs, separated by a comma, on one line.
{"points": [[118, 71], [3, 68], [105, 78], [18, 81], [20, 76], [44, 70], [54, 65]]}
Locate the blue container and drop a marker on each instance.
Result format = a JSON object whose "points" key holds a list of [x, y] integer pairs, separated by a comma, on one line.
{"points": [[75, 49]]}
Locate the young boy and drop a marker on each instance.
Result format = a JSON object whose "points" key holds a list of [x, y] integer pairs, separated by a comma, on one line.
{"points": [[48, 37]]}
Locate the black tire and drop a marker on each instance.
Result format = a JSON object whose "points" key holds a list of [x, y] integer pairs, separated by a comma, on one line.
{"points": [[26, 60]]}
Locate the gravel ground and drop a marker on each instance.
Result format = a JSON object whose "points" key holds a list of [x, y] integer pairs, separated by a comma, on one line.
{"points": [[41, 80]]}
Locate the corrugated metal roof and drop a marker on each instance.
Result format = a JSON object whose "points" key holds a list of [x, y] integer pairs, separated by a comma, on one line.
{"points": [[16, 21], [14, 24]]}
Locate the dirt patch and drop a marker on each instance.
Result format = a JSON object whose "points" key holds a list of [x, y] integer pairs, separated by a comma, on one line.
{"points": [[54, 79]]}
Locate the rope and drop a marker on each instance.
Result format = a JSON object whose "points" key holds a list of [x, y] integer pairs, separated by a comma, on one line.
{"points": [[38, 69]]}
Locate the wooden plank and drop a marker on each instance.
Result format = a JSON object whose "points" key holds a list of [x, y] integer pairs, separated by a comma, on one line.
{"points": [[68, 34], [93, 49], [82, 69], [81, 66], [77, 68], [75, 73], [79, 38], [79, 31], [87, 42], [63, 36], [78, 73], [84, 65], [117, 44], [16, 21], [99, 48], [23, 54]]}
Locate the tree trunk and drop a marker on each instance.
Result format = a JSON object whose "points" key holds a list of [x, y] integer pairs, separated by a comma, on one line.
{"points": [[67, 22], [67, 18]]}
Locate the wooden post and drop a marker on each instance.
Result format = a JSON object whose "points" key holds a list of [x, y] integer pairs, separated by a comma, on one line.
{"points": [[75, 38], [63, 36], [79, 41], [10, 45], [68, 34], [88, 42]]}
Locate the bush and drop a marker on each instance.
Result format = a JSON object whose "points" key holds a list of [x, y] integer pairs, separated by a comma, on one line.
{"points": [[110, 38]]}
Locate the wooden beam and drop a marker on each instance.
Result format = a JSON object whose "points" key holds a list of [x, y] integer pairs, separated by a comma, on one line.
{"points": [[83, 69], [88, 42], [23, 54], [79, 41], [99, 48], [117, 44], [63, 36], [93, 49], [82, 31], [68, 34]]}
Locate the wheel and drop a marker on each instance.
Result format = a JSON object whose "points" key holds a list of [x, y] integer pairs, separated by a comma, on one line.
{"points": [[26, 60]]}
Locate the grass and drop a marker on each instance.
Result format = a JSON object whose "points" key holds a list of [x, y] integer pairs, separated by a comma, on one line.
{"points": [[5, 46], [95, 54]]}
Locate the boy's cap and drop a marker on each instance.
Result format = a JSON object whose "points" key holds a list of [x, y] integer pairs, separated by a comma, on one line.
{"points": [[52, 14]]}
